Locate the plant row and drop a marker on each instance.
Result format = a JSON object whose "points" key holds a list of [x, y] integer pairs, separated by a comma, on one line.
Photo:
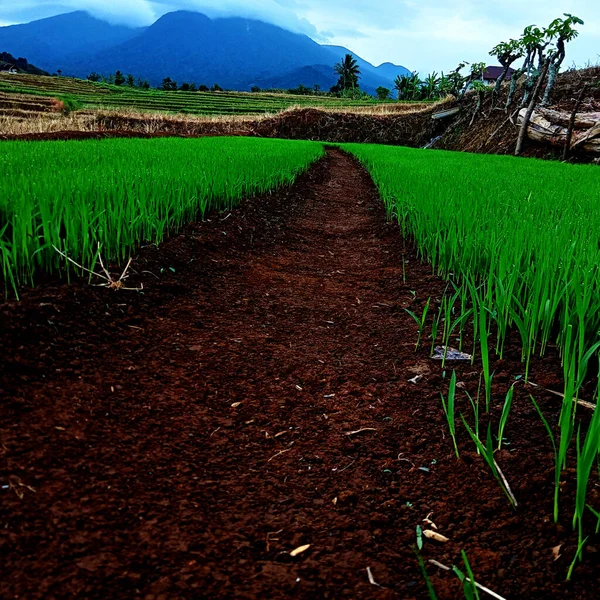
{"points": [[92, 198]]}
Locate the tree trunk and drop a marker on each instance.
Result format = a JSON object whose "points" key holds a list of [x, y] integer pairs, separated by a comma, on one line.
{"points": [[499, 82], [513, 87], [529, 112], [567, 148]]}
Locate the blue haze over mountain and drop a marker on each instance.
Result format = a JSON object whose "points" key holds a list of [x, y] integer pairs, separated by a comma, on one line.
{"points": [[187, 46]]}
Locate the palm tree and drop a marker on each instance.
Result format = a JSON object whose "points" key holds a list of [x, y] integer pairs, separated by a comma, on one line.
{"points": [[431, 86], [348, 70], [401, 84]]}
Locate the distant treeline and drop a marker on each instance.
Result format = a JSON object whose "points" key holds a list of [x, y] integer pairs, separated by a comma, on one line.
{"points": [[168, 84]]}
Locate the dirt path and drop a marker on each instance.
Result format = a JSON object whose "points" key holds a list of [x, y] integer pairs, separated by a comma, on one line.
{"points": [[256, 398]]}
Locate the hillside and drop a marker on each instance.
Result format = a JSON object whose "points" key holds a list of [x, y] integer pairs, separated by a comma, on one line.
{"points": [[21, 64], [186, 46]]}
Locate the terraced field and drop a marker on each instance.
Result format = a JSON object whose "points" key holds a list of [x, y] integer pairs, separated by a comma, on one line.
{"points": [[86, 94]]}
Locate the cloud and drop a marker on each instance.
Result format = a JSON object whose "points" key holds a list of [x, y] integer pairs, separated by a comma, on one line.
{"points": [[425, 35], [273, 11]]}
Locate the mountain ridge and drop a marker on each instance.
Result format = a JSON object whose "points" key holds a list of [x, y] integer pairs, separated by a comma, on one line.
{"points": [[237, 53]]}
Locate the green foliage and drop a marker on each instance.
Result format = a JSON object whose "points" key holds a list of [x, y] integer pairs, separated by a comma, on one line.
{"points": [[119, 78], [78, 195], [168, 84], [383, 93]]}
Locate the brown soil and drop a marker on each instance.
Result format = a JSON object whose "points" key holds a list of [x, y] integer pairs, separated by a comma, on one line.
{"points": [[180, 442]]}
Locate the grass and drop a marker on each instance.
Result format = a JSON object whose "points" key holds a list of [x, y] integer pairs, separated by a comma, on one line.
{"points": [[115, 194]]}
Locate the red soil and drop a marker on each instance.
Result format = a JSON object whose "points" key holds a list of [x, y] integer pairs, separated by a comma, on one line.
{"points": [[181, 442]]}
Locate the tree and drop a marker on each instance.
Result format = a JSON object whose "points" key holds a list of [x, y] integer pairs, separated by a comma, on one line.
{"points": [[119, 78], [216, 88], [255, 89], [202, 88], [431, 88], [506, 53], [456, 81], [143, 84], [94, 76], [130, 80], [563, 30], [188, 87], [534, 42], [349, 73], [401, 84], [59, 71], [382, 93], [168, 84]]}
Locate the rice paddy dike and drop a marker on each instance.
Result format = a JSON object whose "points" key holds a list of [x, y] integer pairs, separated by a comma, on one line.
{"points": [[321, 356]]}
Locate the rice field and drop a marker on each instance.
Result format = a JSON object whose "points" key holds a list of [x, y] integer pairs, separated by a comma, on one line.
{"points": [[89, 95], [310, 330], [518, 241], [91, 197]]}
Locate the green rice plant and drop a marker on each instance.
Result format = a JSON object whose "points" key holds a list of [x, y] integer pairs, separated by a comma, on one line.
{"points": [[468, 580], [597, 515], [580, 546], [115, 194], [449, 410], [434, 330], [430, 588], [586, 457], [420, 321], [475, 406], [487, 452], [504, 417]]}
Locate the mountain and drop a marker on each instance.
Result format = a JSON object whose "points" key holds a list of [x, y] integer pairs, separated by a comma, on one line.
{"points": [[187, 46], [55, 41]]}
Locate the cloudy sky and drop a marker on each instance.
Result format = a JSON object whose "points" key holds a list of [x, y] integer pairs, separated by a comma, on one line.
{"points": [[423, 35]]}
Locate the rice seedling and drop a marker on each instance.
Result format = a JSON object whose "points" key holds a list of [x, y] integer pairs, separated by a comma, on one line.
{"points": [[420, 321], [114, 194], [430, 588], [580, 546], [449, 410], [487, 452], [586, 456], [597, 515], [504, 417], [468, 580]]}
